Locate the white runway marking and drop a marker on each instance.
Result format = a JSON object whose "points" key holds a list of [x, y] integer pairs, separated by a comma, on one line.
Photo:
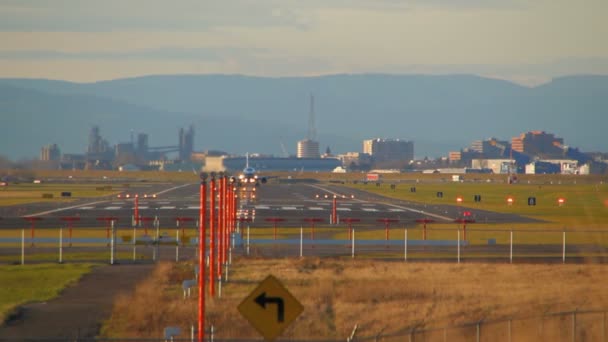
{"points": [[289, 208], [142, 207], [112, 208], [265, 207], [167, 207], [194, 207], [370, 209], [86, 208], [343, 209], [395, 210], [164, 202], [368, 204], [315, 208], [117, 203]]}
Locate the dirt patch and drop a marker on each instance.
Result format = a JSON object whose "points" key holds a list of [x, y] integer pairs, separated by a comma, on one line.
{"points": [[80, 309]]}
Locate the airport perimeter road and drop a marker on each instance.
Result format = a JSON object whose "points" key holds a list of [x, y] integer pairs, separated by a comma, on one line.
{"points": [[295, 203]]}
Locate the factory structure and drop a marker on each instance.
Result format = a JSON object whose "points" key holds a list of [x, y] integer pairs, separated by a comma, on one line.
{"points": [[135, 154]]}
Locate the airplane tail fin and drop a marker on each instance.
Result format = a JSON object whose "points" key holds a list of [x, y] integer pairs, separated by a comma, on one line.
{"points": [[247, 160]]}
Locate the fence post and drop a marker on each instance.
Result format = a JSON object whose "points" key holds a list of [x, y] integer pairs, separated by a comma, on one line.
{"points": [[458, 245], [353, 245], [60, 245], [511, 248], [177, 245], [22, 246], [574, 326], [564, 247], [604, 327], [301, 241], [247, 240], [478, 334], [112, 244], [405, 246]]}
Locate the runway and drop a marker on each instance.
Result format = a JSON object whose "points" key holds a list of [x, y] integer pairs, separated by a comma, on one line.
{"points": [[296, 204]]}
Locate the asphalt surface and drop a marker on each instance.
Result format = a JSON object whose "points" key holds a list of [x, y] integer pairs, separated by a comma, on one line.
{"points": [[295, 203]]}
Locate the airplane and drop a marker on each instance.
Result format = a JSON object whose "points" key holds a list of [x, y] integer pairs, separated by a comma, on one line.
{"points": [[250, 175]]}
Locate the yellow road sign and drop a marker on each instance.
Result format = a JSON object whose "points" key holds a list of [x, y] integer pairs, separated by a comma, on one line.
{"points": [[270, 308]]}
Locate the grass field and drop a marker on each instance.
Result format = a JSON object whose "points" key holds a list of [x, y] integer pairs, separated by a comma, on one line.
{"points": [[24, 193], [35, 283], [586, 205], [380, 297]]}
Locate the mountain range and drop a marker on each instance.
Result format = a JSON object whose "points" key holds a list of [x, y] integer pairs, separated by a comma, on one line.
{"points": [[242, 114]]}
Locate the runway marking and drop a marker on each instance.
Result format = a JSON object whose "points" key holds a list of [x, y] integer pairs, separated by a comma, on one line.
{"points": [[142, 207], [289, 208], [370, 209], [316, 208], [368, 204], [167, 207], [117, 203], [396, 210], [86, 208], [164, 202], [194, 207], [263, 207], [343, 209], [112, 208]]}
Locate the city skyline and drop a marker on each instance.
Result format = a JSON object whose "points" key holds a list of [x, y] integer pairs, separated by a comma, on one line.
{"points": [[528, 42]]}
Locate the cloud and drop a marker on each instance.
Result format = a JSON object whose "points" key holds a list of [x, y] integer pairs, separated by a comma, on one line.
{"points": [[195, 15], [206, 54]]}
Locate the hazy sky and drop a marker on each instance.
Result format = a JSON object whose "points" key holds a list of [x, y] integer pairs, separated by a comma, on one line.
{"points": [[522, 40]]}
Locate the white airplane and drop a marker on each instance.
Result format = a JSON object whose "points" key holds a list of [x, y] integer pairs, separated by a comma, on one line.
{"points": [[249, 174]]}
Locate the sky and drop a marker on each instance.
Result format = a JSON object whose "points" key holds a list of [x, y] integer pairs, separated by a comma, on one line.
{"points": [[525, 41]]}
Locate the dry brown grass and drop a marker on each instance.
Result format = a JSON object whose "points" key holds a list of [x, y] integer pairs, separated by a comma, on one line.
{"points": [[381, 297]]}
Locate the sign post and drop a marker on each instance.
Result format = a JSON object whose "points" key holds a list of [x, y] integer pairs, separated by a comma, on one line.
{"points": [[270, 308]]}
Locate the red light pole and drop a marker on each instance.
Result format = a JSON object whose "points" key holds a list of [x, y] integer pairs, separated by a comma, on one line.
{"points": [[275, 220], [136, 210], [145, 220], [464, 222], [350, 222], [201, 258], [70, 220], [387, 223], [424, 221], [312, 221], [32, 220], [212, 258], [108, 221], [334, 211]]}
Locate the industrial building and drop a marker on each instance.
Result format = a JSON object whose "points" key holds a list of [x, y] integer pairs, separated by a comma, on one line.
{"points": [[50, 153], [386, 150], [308, 148], [538, 143]]}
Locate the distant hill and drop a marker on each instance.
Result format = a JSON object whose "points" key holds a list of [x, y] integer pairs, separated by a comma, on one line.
{"points": [[241, 113]]}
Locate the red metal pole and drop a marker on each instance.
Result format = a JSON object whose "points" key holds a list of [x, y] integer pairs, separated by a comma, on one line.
{"points": [[224, 218], [334, 212], [386, 230], [136, 210], [212, 259], [201, 263], [220, 227], [32, 230], [424, 231], [275, 229]]}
